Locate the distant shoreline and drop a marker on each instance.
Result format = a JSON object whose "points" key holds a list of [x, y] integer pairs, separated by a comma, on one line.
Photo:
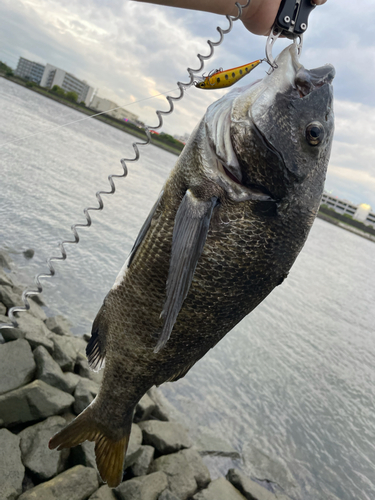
{"points": [[109, 120], [345, 226]]}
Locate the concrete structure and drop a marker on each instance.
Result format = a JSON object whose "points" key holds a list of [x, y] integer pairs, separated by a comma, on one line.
{"points": [[360, 212], [56, 76], [29, 70], [102, 104]]}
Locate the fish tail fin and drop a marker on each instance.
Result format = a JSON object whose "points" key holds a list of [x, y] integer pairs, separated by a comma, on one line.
{"points": [[109, 454]]}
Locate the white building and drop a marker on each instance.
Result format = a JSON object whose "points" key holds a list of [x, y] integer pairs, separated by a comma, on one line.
{"points": [[102, 104], [56, 76], [29, 70], [360, 212]]}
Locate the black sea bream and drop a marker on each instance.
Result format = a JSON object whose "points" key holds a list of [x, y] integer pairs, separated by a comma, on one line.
{"points": [[225, 231]]}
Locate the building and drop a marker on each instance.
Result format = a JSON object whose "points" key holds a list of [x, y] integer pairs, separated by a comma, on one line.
{"points": [[360, 212], [29, 70], [113, 109], [56, 76]]}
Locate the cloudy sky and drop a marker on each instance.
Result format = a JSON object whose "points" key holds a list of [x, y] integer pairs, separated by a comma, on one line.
{"points": [[132, 51]]}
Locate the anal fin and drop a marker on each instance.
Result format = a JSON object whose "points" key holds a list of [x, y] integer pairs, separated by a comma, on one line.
{"points": [[95, 349]]}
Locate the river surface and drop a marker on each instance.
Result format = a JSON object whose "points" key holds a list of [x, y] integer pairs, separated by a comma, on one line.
{"points": [[292, 387]]}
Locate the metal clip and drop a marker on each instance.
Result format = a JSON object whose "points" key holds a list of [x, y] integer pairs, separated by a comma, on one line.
{"points": [[291, 22]]}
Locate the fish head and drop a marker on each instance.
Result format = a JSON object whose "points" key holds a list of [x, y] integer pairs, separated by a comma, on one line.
{"points": [[274, 137]]}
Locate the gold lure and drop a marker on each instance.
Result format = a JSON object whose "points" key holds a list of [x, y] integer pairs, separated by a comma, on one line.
{"points": [[219, 79]]}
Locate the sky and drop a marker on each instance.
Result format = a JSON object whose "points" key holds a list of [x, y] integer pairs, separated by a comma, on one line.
{"points": [[132, 51]]}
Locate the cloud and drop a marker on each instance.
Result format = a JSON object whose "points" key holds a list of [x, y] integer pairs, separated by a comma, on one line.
{"points": [[131, 51]]}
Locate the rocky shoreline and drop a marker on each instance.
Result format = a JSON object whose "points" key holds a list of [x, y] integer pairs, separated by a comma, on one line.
{"points": [[45, 381]]}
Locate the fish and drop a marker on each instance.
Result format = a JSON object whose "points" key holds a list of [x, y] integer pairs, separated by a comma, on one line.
{"points": [[228, 225], [219, 79]]}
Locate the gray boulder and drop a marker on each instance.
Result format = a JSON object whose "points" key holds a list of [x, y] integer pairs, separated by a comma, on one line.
{"points": [[134, 446], [144, 408], [17, 365], [10, 334], [77, 483], [143, 461], [166, 437], [85, 371], [3, 310], [72, 380], [84, 394], [58, 324], [5, 260], [211, 444], [9, 297], [220, 489], [5, 278], [163, 409], [11, 466], [34, 401], [36, 311], [29, 325], [167, 495], [200, 470], [142, 488], [84, 454], [250, 489], [65, 353], [103, 493], [181, 473], [42, 462], [49, 371], [38, 338]]}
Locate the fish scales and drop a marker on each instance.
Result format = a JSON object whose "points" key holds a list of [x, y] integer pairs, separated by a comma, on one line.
{"points": [[229, 224]]}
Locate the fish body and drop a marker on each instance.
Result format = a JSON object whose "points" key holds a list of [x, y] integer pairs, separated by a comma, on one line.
{"points": [[225, 231], [221, 79]]}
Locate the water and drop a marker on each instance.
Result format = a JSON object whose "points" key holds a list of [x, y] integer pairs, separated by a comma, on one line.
{"points": [[291, 387]]}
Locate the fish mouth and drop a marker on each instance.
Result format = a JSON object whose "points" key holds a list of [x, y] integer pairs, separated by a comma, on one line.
{"points": [[306, 81]]}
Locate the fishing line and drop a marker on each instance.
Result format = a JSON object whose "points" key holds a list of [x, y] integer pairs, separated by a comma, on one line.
{"points": [[57, 127], [182, 87]]}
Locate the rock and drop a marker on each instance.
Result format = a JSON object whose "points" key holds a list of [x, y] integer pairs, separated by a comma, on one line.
{"points": [[85, 371], [36, 311], [260, 465], [29, 253], [142, 488], [200, 470], [103, 493], [167, 495], [72, 380], [143, 461], [36, 456], [49, 371], [5, 278], [211, 444], [77, 483], [166, 437], [5, 260], [64, 353], [163, 407], [58, 324], [10, 334], [220, 489], [180, 474], [3, 310], [84, 454], [17, 365], [34, 401], [144, 408], [11, 466], [36, 339], [84, 394], [37, 298], [250, 489], [30, 325], [134, 447], [9, 297]]}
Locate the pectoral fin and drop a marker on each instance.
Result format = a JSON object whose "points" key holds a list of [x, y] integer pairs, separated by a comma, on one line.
{"points": [[189, 236]]}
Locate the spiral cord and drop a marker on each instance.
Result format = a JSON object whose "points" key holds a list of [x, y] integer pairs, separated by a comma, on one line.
{"points": [[182, 87]]}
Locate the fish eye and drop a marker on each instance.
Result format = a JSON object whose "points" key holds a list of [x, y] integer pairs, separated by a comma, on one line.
{"points": [[314, 133]]}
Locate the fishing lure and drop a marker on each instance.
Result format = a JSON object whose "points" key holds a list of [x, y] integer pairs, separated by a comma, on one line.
{"points": [[219, 79]]}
